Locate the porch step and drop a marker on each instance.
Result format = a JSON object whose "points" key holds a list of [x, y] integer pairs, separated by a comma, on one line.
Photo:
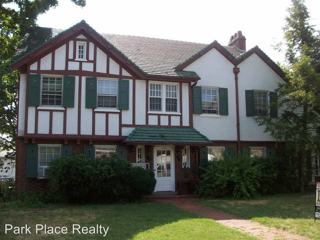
{"points": [[164, 195]]}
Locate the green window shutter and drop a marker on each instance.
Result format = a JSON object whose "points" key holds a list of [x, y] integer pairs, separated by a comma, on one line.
{"points": [[270, 151], [273, 105], [89, 151], [203, 156], [68, 91], [34, 83], [123, 95], [67, 150], [32, 161], [230, 150], [91, 92], [196, 100], [245, 151], [250, 103], [121, 152], [223, 101]]}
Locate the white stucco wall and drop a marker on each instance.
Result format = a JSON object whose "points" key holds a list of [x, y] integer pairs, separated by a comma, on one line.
{"points": [[22, 104], [215, 70], [254, 74]]}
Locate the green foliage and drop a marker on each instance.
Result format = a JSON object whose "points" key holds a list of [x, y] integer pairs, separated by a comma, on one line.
{"points": [[238, 177], [17, 20], [79, 179], [6, 190]]}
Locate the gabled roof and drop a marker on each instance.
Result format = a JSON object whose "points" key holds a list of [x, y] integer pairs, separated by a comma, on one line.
{"points": [[275, 67], [165, 135]]}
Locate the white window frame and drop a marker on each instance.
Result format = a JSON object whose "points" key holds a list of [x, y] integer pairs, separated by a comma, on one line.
{"points": [[163, 97], [263, 148], [41, 90], [142, 158], [108, 149], [186, 149], [84, 44], [217, 94], [223, 148], [116, 94], [45, 168]]}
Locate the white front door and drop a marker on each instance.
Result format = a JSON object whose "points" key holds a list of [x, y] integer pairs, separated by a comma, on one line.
{"points": [[163, 162]]}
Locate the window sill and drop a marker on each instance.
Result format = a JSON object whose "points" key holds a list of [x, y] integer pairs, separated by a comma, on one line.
{"points": [[50, 108], [103, 109], [165, 113], [81, 60], [210, 115]]}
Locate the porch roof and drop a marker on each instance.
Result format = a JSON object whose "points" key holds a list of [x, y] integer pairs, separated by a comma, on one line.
{"points": [[167, 135]]}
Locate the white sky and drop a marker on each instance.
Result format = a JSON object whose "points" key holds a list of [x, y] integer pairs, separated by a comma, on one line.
{"points": [[261, 21]]}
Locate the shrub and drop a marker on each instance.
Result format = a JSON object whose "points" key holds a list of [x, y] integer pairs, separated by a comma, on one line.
{"points": [[78, 179], [6, 190], [237, 177]]}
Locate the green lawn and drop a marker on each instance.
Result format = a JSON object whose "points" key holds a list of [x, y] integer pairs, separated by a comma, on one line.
{"points": [[291, 212], [135, 221]]}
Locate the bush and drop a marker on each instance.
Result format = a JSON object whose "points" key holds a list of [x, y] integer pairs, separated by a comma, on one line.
{"points": [[7, 190], [78, 179], [238, 177]]}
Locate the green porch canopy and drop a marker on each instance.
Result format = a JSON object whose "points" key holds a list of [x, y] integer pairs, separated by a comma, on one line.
{"points": [[167, 135]]}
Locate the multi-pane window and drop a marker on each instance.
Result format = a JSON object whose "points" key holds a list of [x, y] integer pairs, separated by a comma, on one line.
{"points": [[140, 154], [186, 157], [155, 97], [261, 102], [209, 100], [105, 150], [259, 152], [81, 50], [163, 163], [46, 154], [215, 153], [51, 91], [107, 93], [171, 98]]}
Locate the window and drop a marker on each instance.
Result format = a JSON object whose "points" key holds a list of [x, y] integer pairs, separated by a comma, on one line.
{"points": [[155, 97], [163, 97], [51, 91], [210, 100], [261, 102], [107, 93], [215, 153], [105, 150], [171, 98], [140, 154], [258, 152], [46, 154], [186, 157], [81, 50]]}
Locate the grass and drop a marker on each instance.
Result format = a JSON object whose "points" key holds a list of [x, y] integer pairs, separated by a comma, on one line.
{"points": [[291, 212], [136, 221]]}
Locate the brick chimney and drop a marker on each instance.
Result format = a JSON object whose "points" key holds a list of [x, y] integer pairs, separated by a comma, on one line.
{"points": [[238, 40]]}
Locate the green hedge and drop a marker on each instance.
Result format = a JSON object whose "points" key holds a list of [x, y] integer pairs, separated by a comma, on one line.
{"points": [[238, 177], [78, 179]]}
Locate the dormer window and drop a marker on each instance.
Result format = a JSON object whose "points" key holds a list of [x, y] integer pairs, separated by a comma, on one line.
{"points": [[81, 50]]}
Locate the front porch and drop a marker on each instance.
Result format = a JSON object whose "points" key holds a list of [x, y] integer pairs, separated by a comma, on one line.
{"points": [[173, 154]]}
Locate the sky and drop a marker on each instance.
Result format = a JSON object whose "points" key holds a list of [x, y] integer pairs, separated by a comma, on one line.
{"points": [[261, 21]]}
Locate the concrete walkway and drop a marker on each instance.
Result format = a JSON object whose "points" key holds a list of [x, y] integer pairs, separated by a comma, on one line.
{"points": [[252, 228]]}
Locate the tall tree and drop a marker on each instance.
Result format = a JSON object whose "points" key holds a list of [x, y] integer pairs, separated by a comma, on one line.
{"points": [[298, 98], [17, 18]]}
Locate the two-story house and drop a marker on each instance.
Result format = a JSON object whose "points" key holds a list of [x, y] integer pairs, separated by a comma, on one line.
{"points": [[161, 104]]}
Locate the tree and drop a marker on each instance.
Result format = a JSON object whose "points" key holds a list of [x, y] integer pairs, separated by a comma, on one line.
{"points": [[298, 98], [17, 18]]}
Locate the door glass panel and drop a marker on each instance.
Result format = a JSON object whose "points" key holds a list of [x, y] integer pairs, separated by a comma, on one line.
{"points": [[163, 161]]}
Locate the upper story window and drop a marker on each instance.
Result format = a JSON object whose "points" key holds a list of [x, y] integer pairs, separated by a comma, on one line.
{"points": [[107, 93], [261, 103], [163, 97], [105, 150], [259, 152], [210, 102], [51, 91], [186, 157], [81, 50], [46, 154], [215, 153]]}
